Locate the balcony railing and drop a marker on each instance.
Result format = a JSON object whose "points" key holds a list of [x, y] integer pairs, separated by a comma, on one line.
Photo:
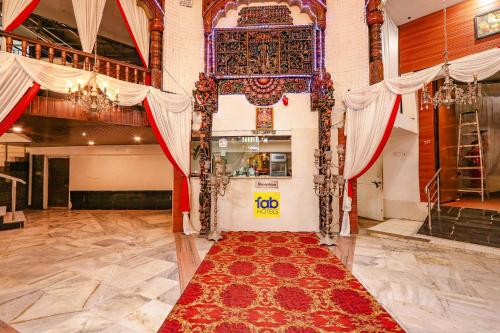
{"points": [[66, 56]]}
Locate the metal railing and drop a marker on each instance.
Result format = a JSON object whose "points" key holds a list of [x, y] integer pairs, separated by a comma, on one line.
{"points": [[432, 190], [14, 180], [66, 56]]}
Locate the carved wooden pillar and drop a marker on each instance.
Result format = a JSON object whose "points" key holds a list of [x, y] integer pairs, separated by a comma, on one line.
{"points": [[375, 19], [156, 27], [205, 101], [323, 101]]}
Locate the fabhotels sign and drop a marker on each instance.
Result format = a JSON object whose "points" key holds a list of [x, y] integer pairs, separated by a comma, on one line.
{"points": [[266, 204]]}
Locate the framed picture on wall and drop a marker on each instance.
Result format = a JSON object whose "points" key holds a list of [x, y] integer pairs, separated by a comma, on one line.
{"points": [[264, 119], [487, 24]]}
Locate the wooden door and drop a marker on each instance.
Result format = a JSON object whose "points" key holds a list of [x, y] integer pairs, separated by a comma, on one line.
{"points": [[37, 182], [58, 182], [447, 151]]}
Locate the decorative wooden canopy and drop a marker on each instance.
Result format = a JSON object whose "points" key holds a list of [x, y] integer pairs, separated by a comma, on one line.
{"points": [[214, 9]]}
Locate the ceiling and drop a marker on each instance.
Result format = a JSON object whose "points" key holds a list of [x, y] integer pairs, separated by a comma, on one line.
{"points": [[55, 132], [112, 24], [404, 11]]}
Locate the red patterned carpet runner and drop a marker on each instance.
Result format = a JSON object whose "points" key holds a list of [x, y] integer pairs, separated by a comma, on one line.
{"points": [[263, 282]]}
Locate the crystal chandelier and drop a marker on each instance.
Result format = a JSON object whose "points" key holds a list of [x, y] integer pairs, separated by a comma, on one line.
{"points": [[449, 92], [91, 97]]}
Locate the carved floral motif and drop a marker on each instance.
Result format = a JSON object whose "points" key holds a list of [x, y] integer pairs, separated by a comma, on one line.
{"points": [[264, 51], [265, 15], [263, 91], [205, 95], [323, 101]]}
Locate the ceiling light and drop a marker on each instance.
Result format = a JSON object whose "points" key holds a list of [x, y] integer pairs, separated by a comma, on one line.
{"points": [[84, 134], [137, 138], [91, 143], [17, 129]]}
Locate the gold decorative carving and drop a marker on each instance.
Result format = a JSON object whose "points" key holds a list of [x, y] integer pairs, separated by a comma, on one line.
{"points": [[264, 52], [265, 15]]}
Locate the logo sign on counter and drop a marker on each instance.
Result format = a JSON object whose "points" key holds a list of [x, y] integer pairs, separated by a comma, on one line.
{"points": [[266, 204], [266, 184]]}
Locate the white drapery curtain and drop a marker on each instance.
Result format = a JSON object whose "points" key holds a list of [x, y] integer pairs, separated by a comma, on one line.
{"points": [[173, 118], [138, 26], [88, 15], [11, 91], [364, 133], [369, 109], [14, 12], [171, 112], [174, 128], [390, 48]]}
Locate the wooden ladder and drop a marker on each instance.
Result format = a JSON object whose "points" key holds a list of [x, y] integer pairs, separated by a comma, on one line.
{"points": [[470, 156]]}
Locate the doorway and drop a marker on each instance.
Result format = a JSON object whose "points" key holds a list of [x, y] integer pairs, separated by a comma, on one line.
{"points": [[58, 182]]}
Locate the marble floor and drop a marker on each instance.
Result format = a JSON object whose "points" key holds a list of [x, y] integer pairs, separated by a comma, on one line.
{"points": [[431, 287], [89, 271], [122, 271]]}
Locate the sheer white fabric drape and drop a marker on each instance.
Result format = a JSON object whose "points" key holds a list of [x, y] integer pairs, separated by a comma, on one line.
{"points": [[14, 82], [174, 126], [364, 131], [484, 64], [138, 25], [369, 110], [88, 15], [390, 48], [173, 118], [11, 9], [171, 112]]}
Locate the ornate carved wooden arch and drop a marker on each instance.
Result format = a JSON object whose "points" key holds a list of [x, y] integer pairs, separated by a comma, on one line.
{"points": [[214, 9]]}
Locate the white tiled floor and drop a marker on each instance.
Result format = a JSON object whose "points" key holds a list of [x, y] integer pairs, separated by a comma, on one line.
{"points": [[89, 271], [431, 288], [113, 272]]}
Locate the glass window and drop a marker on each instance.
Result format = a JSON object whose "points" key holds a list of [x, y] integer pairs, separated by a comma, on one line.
{"points": [[249, 156]]}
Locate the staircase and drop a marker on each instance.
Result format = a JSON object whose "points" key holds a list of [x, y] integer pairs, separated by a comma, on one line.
{"points": [[477, 226], [13, 219], [470, 156]]}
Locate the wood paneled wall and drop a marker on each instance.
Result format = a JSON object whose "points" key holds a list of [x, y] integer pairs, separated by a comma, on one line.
{"points": [[421, 42], [426, 143], [59, 108]]}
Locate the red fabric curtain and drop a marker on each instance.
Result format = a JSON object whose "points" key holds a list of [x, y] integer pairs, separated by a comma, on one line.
{"points": [[185, 204], [380, 148], [127, 24], [23, 15], [18, 110]]}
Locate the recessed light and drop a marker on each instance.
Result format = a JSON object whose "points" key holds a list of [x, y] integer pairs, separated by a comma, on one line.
{"points": [[84, 134], [137, 138], [17, 129], [91, 143]]}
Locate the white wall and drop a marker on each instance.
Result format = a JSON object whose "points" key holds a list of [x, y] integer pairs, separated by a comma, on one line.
{"points": [[183, 43], [299, 204], [347, 59], [347, 52], [401, 179], [400, 166], [114, 168]]}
